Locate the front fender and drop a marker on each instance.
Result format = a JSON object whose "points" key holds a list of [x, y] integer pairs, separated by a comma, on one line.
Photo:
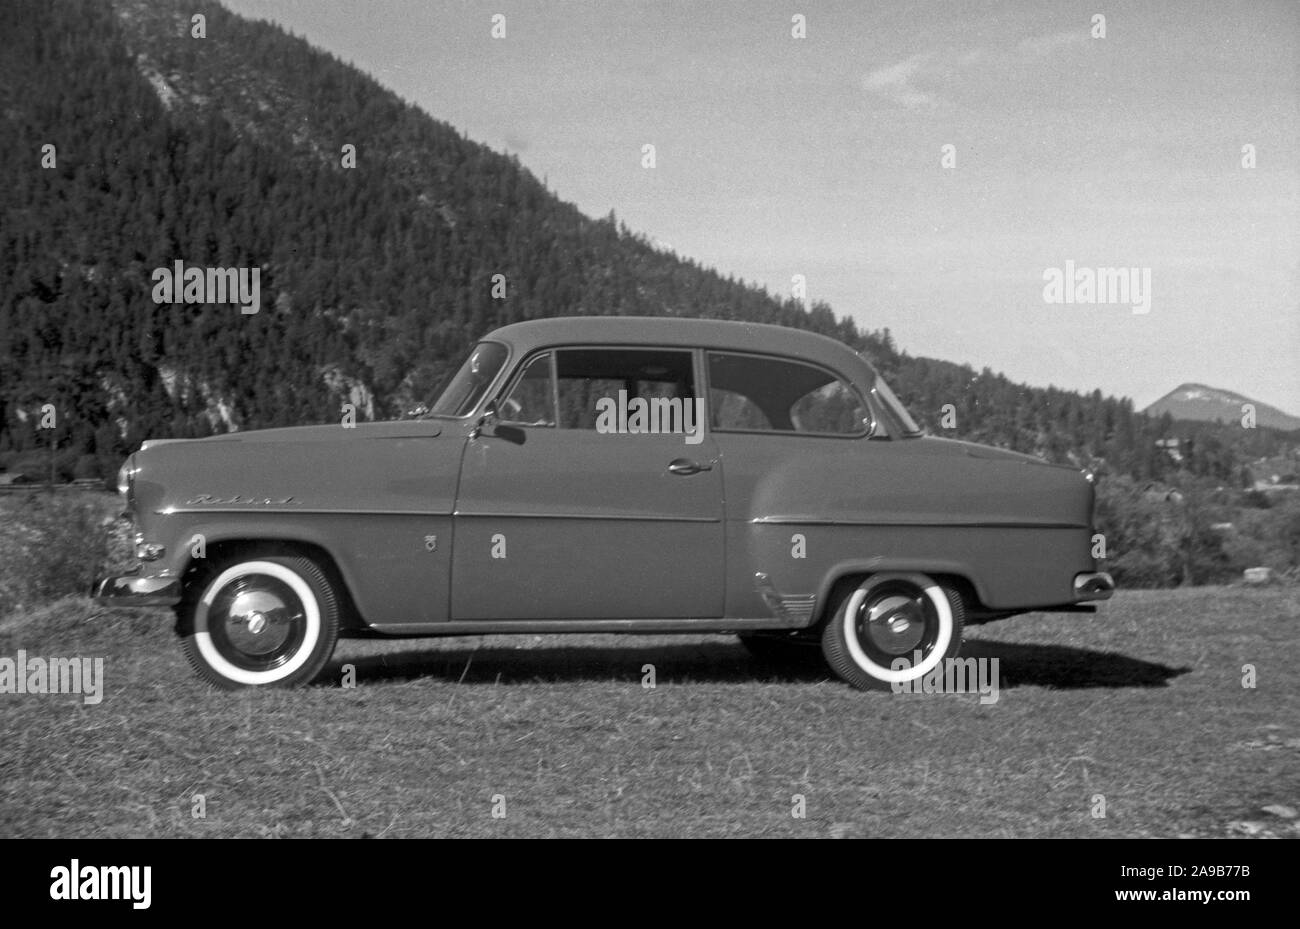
{"points": [[392, 564]]}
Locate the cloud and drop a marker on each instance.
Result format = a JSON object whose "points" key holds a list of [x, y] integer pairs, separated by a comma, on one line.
{"points": [[894, 83], [898, 83]]}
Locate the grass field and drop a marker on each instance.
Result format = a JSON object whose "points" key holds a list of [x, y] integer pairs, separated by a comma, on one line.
{"points": [[1142, 704]]}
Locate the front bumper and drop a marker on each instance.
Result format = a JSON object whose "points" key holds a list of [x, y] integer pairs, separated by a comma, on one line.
{"points": [[1093, 585], [135, 590]]}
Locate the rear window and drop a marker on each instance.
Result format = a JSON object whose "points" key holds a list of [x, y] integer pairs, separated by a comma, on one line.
{"points": [[754, 393]]}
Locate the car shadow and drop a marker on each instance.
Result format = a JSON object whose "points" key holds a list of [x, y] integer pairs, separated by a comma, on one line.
{"points": [[724, 662], [1065, 667], [712, 662]]}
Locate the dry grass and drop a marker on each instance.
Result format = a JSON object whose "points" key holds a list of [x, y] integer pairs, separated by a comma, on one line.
{"points": [[1142, 704], [52, 544]]}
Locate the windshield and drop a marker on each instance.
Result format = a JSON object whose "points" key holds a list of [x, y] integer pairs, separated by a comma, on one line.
{"points": [[465, 390], [894, 408]]}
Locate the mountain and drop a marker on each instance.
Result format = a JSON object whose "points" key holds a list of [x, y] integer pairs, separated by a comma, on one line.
{"points": [[229, 151], [1211, 404], [384, 243]]}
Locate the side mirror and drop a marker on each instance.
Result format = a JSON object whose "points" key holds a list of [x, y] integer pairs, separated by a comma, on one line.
{"points": [[512, 434], [488, 418]]}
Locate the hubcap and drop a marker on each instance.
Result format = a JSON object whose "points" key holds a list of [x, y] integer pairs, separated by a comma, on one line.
{"points": [[896, 621], [257, 622]]}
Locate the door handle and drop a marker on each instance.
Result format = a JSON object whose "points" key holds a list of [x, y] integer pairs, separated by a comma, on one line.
{"points": [[686, 466]]}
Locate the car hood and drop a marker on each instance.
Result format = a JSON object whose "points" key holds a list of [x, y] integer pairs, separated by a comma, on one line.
{"points": [[333, 432], [406, 465]]}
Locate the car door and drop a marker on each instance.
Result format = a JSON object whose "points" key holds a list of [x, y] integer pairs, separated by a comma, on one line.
{"points": [[571, 509]]}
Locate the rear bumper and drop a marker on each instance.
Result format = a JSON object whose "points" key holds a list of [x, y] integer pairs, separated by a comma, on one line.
{"points": [[1093, 585], [134, 590]]}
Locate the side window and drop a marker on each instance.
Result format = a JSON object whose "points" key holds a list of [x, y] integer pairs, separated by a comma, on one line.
{"points": [[531, 402], [833, 408], [752, 393], [585, 376], [731, 410]]}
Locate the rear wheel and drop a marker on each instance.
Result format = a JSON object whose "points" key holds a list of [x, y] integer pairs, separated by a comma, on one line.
{"points": [[260, 621], [893, 629]]}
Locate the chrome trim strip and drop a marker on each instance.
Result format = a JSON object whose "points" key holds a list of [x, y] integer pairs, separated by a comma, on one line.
{"points": [[341, 511], [168, 511], [920, 524], [601, 516], [797, 608]]}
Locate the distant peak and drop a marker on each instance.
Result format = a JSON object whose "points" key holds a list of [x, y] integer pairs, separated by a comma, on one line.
{"points": [[1196, 401]]}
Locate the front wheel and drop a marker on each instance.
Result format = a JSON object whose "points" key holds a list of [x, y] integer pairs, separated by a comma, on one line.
{"points": [[893, 629], [260, 621]]}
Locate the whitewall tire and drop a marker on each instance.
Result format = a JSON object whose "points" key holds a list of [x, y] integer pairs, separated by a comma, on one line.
{"points": [[893, 629], [260, 621]]}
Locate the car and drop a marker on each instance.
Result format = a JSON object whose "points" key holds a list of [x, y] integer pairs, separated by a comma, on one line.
{"points": [[610, 474]]}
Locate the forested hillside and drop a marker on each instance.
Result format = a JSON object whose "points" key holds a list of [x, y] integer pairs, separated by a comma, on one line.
{"points": [[229, 151]]}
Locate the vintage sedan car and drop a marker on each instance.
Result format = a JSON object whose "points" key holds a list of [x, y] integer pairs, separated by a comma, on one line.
{"points": [[605, 474]]}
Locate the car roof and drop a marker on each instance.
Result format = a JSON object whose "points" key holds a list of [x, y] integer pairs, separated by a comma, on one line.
{"points": [[672, 332]]}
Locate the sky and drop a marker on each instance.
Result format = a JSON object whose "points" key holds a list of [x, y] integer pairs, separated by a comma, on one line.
{"points": [[824, 156]]}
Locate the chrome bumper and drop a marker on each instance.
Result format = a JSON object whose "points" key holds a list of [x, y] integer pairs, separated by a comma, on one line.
{"points": [[134, 590], [1093, 585]]}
